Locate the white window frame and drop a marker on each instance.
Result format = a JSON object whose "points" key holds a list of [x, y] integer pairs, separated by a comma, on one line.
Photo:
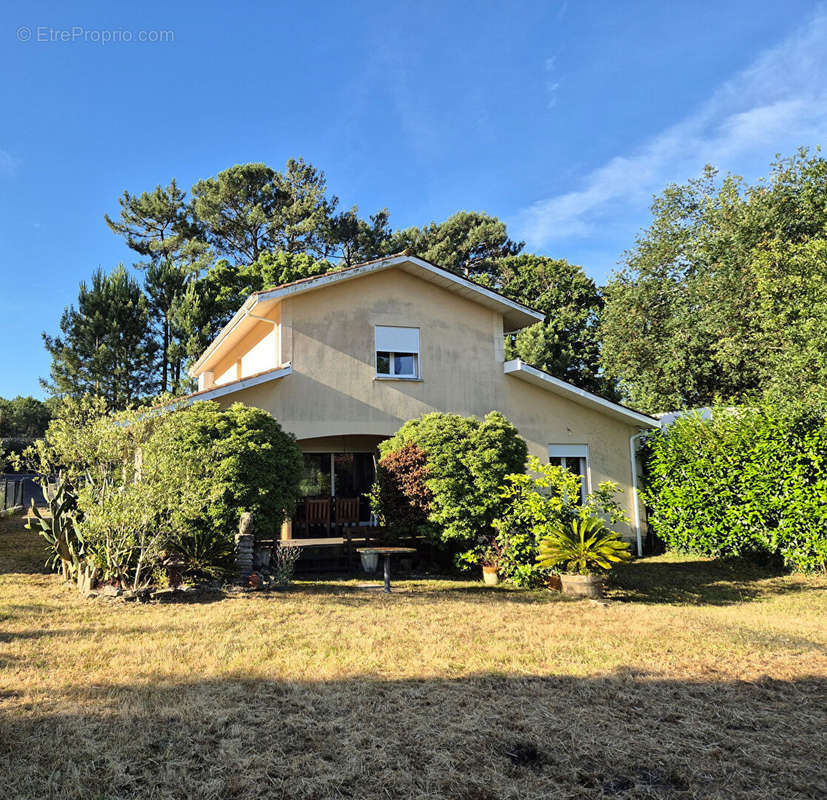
{"points": [[571, 451], [384, 336]]}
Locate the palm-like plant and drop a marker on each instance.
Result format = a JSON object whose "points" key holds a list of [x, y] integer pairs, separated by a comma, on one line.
{"points": [[584, 546]]}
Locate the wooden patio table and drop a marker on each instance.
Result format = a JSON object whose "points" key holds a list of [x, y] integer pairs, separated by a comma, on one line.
{"points": [[387, 552]]}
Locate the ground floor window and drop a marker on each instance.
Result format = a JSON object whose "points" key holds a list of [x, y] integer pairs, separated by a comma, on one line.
{"points": [[574, 458]]}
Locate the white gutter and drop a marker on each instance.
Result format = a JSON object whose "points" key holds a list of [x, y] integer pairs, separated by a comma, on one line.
{"points": [[261, 319], [235, 386], [635, 499]]}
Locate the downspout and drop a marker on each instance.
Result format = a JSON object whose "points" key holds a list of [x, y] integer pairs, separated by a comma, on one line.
{"points": [[635, 499]]}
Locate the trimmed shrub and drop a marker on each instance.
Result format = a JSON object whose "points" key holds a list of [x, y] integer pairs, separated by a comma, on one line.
{"points": [[467, 461], [747, 482], [215, 464], [158, 486]]}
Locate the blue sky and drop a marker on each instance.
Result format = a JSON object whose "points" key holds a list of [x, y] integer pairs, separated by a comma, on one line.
{"points": [[562, 118]]}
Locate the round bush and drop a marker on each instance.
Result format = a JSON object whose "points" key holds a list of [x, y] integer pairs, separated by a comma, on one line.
{"points": [[466, 461], [217, 464]]}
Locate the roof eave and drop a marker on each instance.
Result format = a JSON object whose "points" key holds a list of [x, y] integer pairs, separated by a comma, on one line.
{"points": [[537, 377], [249, 304], [234, 386]]}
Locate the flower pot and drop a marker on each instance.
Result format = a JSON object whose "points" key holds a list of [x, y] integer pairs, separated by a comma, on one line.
{"points": [[489, 576], [369, 561], [554, 583], [582, 585]]}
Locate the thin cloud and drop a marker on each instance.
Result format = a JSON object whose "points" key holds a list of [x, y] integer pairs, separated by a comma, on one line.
{"points": [[551, 85], [778, 102], [8, 163]]}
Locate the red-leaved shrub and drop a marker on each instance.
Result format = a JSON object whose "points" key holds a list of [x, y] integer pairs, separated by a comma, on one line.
{"points": [[400, 491]]}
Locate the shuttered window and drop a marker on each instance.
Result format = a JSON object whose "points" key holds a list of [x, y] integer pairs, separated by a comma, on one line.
{"points": [[397, 352]]}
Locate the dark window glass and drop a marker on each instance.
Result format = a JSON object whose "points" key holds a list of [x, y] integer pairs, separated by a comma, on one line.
{"points": [[316, 478], [383, 363], [576, 466], [354, 474], [403, 364]]}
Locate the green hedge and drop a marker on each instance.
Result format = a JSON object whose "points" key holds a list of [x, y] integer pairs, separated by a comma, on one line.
{"points": [[748, 481]]}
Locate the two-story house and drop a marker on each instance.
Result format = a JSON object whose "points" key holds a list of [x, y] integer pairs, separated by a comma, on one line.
{"points": [[344, 359]]}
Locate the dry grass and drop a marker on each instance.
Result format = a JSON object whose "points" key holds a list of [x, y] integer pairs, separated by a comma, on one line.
{"points": [[697, 680]]}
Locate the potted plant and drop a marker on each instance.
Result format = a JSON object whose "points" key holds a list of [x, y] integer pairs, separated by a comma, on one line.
{"points": [[490, 561], [587, 550]]}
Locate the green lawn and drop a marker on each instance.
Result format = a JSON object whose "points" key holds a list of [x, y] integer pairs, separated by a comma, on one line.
{"points": [[695, 679]]}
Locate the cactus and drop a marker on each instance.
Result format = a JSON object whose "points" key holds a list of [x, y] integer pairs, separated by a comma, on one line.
{"points": [[59, 529]]}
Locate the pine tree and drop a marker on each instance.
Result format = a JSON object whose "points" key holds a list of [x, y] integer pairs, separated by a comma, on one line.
{"points": [[106, 345], [157, 225]]}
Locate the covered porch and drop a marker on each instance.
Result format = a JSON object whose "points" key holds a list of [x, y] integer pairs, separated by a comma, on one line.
{"points": [[338, 473], [333, 516]]}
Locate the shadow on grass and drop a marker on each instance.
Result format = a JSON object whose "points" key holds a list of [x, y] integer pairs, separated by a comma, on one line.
{"points": [[670, 579], [629, 735], [429, 587]]}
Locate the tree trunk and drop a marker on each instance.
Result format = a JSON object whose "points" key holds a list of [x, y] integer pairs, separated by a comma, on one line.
{"points": [[165, 354]]}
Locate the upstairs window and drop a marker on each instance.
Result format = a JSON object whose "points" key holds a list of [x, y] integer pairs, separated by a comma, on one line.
{"points": [[574, 458], [397, 352]]}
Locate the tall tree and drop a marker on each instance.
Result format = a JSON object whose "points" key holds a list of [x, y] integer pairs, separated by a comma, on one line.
{"points": [[566, 343], [106, 345], [154, 224], [352, 240], [234, 209], [250, 209], [207, 304], [469, 243], [157, 226], [702, 308], [299, 219]]}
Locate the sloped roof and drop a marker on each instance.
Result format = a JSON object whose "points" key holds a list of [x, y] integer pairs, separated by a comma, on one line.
{"points": [[515, 315], [229, 387], [538, 377]]}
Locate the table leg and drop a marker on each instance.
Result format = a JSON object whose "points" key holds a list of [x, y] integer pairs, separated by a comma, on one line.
{"points": [[387, 573]]}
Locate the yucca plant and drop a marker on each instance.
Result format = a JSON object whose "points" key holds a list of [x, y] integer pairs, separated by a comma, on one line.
{"points": [[584, 547]]}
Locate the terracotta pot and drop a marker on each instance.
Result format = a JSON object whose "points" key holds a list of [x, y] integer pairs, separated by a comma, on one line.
{"points": [[582, 585], [489, 576]]}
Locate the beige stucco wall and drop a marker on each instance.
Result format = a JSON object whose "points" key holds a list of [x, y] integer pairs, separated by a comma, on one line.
{"points": [[328, 335]]}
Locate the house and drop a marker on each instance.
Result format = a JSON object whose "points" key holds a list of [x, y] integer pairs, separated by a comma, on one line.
{"points": [[342, 360]]}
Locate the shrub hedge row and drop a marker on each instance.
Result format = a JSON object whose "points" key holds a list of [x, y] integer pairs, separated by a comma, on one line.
{"points": [[747, 481]]}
